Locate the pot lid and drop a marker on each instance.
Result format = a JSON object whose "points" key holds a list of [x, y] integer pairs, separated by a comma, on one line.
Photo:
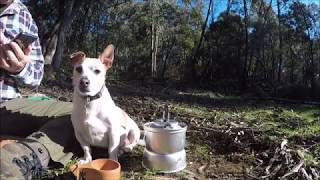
{"points": [[170, 124]]}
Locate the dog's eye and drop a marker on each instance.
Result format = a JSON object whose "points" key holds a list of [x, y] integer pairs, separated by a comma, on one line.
{"points": [[79, 69], [96, 71]]}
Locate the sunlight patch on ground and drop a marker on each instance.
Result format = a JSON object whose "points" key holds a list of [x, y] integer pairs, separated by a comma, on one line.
{"points": [[297, 120]]}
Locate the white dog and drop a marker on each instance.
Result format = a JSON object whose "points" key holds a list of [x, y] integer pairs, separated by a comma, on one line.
{"points": [[97, 121]]}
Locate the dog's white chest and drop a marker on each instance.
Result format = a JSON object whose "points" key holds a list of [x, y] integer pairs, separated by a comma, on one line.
{"points": [[96, 132]]}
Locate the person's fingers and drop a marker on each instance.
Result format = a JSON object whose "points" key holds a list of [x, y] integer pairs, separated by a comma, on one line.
{"points": [[1, 63], [2, 54], [4, 64], [11, 56], [3, 60], [27, 50], [19, 54], [3, 39]]}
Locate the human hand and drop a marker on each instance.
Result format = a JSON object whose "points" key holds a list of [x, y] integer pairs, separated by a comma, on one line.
{"points": [[13, 58], [3, 39]]}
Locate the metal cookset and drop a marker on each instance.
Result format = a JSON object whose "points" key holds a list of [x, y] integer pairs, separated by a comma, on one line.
{"points": [[165, 141]]}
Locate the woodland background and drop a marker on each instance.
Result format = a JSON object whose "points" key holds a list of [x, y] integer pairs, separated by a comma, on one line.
{"points": [[266, 47]]}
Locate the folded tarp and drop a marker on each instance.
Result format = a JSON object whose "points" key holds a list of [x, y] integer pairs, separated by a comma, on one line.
{"points": [[38, 106]]}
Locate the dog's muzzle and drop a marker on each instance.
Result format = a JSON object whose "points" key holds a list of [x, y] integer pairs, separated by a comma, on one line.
{"points": [[84, 84]]}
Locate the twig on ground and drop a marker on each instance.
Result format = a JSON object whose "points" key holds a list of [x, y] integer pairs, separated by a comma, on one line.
{"points": [[294, 170], [305, 174]]}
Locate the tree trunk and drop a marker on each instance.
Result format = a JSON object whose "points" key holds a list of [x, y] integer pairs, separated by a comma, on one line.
{"points": [[154, 42], [264, 61], [245, 71], [228, 6], [250, 64], [49, 43], [50, 49], [87, 18], [152, 47], [292, 67], [71, 10], [312, 65], [280, 42], [154, 51], [272, 70], [191, 66], [165, 59]]}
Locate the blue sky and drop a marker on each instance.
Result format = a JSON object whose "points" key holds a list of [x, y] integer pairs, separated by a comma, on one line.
{"points": [[220, 5]]}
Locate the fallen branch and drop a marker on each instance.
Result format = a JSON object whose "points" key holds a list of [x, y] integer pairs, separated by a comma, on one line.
{"points": [[272, 160], [288, 163], [294, 170], [305, 174], [315, 173]]}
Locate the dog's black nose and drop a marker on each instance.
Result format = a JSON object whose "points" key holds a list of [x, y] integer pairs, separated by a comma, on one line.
{"points": [[84, 81]]}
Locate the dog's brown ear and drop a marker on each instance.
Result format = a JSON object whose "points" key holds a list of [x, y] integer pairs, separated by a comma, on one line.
{"points": [[107, 56], [75, 57]]}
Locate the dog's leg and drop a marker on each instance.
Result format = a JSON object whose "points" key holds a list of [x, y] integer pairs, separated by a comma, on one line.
{"points": [[86, 150], [87, 155], [114, 140], [133, 138]]}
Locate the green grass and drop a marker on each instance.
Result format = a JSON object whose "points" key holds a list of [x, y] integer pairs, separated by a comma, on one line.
{"points": [[202, 112], [54, 172], [309, 113], [291, 121], [309, 158], [149, 173], [202, 149], [208, 94], [182, 175]]}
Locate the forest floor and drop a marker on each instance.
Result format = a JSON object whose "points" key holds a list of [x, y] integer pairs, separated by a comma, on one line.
{"points": [[228, 137]]}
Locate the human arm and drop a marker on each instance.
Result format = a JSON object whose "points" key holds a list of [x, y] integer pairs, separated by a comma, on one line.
{"points": [[24, 66]]}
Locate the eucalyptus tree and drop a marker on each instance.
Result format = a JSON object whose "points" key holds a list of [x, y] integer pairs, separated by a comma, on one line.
{"points": [[263, 25], [303, 24], [224, 41]]}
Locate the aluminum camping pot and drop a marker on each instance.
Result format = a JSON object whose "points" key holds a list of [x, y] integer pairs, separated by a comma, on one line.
{"points": [[165, 140], [165, 136], [166, 163]]}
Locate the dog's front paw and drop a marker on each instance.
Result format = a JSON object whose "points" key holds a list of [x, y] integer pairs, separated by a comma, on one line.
{"points": [[124, 149], [84, 161], [120, 152], [127, 148]]}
